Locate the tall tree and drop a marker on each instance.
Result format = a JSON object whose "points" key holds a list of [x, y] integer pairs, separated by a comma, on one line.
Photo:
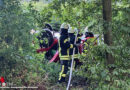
{"points": [[107, 16]]}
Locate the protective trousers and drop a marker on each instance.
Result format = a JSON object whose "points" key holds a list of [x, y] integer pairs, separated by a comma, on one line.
{"points": [[64, 70]]}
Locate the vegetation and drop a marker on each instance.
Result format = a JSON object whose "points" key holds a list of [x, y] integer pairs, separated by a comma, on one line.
{"points": [[105, 66]]}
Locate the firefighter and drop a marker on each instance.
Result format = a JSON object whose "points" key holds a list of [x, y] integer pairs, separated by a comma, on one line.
{"points": [[90, 40], [64, 46], [72, 36], [47, 26]]}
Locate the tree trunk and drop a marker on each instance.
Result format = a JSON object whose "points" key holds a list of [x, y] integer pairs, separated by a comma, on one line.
{"points": [[107, 17]]}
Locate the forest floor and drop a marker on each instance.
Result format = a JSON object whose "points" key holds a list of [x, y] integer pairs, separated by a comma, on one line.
{"points": [[62, 87], [77, 83]]}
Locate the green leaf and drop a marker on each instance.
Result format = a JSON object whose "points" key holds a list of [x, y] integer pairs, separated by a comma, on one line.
{"points": [[93, 70], [115, 72], [108, 78]]}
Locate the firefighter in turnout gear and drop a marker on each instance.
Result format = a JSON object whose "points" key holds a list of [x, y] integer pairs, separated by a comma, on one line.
{"points": [[64, 46], [72, 36], [89, 42]]}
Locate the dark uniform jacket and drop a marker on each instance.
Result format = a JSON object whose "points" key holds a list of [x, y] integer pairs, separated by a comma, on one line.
{"points": [[64, 45], [72, 40]]}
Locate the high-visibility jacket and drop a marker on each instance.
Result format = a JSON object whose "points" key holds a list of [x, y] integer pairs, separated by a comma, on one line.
{"points": [[89, 43], [64, 46]]}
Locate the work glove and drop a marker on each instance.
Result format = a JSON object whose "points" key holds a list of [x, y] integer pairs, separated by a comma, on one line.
{"points": [[78, 45], [75, 45]]}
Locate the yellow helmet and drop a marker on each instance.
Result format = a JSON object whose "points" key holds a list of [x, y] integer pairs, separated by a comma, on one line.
{"points": [[65, 26], [71, 30]]}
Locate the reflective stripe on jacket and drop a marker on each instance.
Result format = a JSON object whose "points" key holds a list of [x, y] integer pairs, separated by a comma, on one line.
{"points": [[64, 46]]}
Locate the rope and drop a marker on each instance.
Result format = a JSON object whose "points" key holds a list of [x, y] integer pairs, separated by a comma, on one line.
{"points": [[71, 69]]}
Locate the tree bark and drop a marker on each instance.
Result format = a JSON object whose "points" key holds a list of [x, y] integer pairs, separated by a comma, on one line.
{"points": [[107, 17]]}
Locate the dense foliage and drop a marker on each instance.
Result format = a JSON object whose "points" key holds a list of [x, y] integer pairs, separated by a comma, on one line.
{"points": [[19, 63]]}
